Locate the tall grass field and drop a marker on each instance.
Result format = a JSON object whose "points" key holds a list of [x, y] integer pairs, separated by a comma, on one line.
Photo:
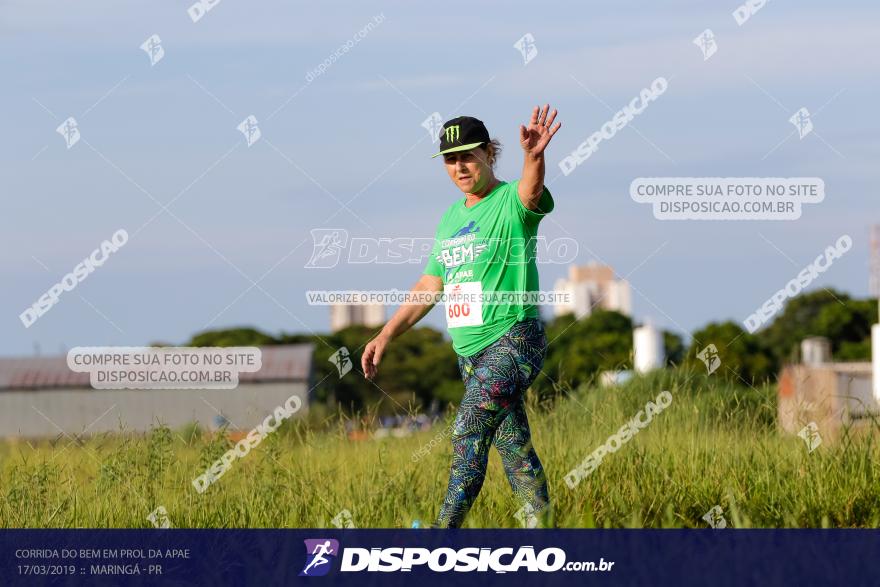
{"points": [[716, 444]]}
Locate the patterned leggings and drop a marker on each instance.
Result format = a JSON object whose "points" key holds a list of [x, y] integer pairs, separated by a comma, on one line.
{"points": [[493, 411]]}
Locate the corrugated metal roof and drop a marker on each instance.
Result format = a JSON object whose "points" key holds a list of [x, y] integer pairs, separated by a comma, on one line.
{"points": [[279, 363]]}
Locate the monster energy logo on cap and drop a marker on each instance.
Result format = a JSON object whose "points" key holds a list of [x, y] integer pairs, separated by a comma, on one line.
{"points": [[461, 134]]}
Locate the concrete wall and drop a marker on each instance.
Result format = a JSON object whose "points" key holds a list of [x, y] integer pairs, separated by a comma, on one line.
{"points": [[832, 395], [41, 413]]}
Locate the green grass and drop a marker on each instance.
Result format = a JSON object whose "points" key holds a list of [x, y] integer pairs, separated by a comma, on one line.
{"points": [[716, 444]]}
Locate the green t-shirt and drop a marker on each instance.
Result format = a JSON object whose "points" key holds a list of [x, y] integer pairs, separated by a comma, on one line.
{"points": [[489, 247]]}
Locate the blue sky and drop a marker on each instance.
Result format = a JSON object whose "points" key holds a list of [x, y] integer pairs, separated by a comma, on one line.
{"points": [[169, 131]]}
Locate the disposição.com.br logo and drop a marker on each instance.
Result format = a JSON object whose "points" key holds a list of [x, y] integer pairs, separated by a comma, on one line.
{"points": [[321, 552]]}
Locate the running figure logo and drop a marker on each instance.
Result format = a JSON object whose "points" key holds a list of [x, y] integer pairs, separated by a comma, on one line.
{"points": [[715, 518], [249, 127], [710, 358], [810, 435], [317, 551], [802, 121], [433, 124], [153, 48], [469, 229], [69, 129], [706, 43], [527, 47], [342, 360], [327, 246]]}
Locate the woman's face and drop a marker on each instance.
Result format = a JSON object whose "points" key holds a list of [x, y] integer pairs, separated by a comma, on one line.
{"points": [[469, 170]]}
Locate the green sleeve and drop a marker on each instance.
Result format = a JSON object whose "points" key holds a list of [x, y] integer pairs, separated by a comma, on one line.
{"points": [[531, 217]]}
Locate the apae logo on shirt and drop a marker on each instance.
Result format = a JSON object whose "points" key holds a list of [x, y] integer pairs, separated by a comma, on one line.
{"points": [[461, 248]]}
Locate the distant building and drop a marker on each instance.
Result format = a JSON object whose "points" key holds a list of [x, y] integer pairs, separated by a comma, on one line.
{"points": [[42, 397], [828, 400], [345, 315], [649, 352], [593, 286]]}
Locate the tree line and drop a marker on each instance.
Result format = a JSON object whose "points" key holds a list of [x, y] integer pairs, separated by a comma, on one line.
{"points": [[420, 368]]}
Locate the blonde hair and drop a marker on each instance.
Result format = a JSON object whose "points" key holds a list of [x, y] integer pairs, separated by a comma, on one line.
{"points": [[493, 152]]}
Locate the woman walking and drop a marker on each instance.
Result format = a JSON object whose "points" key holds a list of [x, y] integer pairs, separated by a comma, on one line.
{"points": [[485, 245]]}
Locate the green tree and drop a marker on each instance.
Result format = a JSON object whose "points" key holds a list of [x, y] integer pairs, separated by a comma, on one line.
{"points": [[848, 326], [418, 367], [674, 346], [244, 336], [579, 349], [743, 356], [824, 312]]}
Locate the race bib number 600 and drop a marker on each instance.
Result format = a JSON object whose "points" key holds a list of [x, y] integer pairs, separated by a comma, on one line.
{"points": [[464, 304]]}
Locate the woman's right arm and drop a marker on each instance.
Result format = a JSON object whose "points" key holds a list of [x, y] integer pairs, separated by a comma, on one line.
{"points": [[406, 316]]}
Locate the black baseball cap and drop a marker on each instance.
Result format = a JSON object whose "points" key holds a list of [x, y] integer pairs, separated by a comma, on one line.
{"points": [[462, 133]]}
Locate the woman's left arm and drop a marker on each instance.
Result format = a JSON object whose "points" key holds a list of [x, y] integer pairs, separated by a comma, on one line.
{"points": [[534, 140]]}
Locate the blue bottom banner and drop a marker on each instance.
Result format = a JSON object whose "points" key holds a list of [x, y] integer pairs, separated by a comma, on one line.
{"points": [[436, 557]]}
